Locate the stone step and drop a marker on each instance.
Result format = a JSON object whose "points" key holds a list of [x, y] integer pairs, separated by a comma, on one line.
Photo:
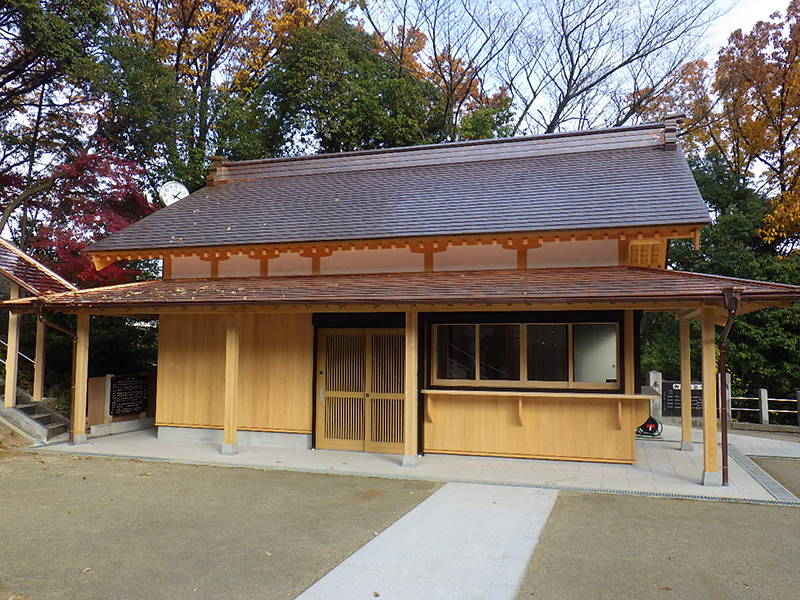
{"points": [[54, 429], [43, 418]]}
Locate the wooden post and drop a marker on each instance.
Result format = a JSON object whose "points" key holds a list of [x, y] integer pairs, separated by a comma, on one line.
{"points": [[231, 384], [38, 361], [711, 473], [410, 417], [78, 431], [763, 406], [12, 352], [630, 361], [686, 385]]}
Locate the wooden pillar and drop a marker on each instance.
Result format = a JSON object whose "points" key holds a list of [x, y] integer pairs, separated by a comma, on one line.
{"points": [[231, 384], [630, 361], [410, 414], [711, 473], [81, 380], [12, 352], [38, 361], [686, 384]]}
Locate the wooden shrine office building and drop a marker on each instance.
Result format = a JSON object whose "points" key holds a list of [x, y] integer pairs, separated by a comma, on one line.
{"points": [[469, 298]]}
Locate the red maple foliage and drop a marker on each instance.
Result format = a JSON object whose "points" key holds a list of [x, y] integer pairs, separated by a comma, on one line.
{"points": [[96, 193]]}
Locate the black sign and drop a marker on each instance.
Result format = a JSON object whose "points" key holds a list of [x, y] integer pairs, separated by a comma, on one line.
{"points": [[128, 394], [671, 399]]}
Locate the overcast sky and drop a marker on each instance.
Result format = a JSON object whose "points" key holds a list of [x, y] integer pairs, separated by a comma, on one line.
{"points": [[742, 16]]}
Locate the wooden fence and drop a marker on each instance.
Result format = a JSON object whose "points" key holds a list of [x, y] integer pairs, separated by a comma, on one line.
{"points": [[766, 406]]}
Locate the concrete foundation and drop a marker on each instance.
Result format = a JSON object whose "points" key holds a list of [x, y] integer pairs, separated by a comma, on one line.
{"points": [[120, 427], [79, 438], [687, 446], [409, 460], [712, 478], [300, 441], [230, 449]]}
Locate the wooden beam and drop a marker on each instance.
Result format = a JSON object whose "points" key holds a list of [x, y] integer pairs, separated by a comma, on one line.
{"points": [[81, 382], [38, 361], [410, 414], [231, 384], [711, 472], [12, 352], [686, 384], [630, 362]]}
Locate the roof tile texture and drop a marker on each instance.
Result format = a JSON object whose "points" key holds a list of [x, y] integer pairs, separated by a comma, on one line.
{"points": [[589, 284]]}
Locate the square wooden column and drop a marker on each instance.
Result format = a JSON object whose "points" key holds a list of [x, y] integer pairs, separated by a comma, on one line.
{"points": [[81, 380], [630, 358], [410, 414], [12, 352], [38, 361], [686, 385], [711, 473], [231, 384]]}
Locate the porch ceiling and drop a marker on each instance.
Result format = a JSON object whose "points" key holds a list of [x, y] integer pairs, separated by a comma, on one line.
{"points": [[619, 285]]}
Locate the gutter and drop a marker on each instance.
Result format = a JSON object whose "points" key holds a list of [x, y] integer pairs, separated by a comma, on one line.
{"points": [[733, 297]]}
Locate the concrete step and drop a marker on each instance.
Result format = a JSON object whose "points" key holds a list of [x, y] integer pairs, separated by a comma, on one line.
{"points": [[36, 419], [54, 429]]}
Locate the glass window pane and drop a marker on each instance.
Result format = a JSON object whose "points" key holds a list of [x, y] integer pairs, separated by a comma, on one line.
{"points": [[455, 351], [499, 354], [595, 350], [548, 353]]}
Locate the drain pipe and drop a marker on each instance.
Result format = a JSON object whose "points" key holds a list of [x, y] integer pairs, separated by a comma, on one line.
{"points": [[74, 336], [733, 298]]}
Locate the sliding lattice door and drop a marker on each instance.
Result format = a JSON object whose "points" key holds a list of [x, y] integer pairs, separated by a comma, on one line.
{"points": [[361, 390]]}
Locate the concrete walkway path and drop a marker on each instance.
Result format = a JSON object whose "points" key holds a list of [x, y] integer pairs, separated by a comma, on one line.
{"points": [[661, 467], [467, 541]]}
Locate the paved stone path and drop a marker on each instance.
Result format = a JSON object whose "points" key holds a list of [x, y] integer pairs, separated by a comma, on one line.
{"points": [[467, 541]]}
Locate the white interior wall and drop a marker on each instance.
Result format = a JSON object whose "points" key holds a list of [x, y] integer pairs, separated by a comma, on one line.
{"points": [[289, 264], [595, 253], [190, 267], [387, 260], [239, 265], [466, 258]]}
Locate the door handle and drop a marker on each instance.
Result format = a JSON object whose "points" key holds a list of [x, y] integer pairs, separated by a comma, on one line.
{"points": [[321, 393]]}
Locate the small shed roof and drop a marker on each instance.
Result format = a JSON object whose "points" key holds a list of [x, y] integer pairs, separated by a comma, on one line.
{"points": [[30, 273], [533, 286], [622, 177]]}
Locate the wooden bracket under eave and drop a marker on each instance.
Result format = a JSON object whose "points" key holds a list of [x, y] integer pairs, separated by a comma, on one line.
{"points": [[696, 239], [100, 261]]}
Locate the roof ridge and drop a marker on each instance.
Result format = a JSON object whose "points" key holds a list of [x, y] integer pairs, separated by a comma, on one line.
{"points": [[223, 170]]}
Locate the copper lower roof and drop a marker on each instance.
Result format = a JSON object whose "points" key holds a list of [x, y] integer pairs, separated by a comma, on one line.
{"points": [[533, 286], [24, 270]]}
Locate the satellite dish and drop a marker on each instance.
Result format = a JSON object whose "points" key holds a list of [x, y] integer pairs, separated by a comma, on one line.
{"points": [[171, 192]]}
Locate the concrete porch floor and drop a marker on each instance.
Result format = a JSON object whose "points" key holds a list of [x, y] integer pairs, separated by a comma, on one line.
{"points": [[661, 469]]}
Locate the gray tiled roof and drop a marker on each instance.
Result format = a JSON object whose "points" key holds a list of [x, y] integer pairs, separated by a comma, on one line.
{"points": [[617, 178]]}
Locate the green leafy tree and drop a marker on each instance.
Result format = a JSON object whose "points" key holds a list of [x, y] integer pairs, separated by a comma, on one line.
{"points": [[331, 91], [763, 346]]}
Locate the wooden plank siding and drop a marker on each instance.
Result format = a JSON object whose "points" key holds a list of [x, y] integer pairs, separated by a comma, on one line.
{"points": [[275, 372]]}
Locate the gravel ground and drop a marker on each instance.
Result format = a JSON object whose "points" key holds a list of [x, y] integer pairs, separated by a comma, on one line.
{"points": [[598, 547], [108, 529]]}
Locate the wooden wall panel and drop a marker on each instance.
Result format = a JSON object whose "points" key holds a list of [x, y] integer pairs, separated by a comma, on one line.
{"points": [[570, 429], [191, 370], [276, 372]]}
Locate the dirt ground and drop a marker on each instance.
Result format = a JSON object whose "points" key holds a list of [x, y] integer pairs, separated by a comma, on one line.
{"points": [[109, 529], [612, 546], [785, 470]]}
